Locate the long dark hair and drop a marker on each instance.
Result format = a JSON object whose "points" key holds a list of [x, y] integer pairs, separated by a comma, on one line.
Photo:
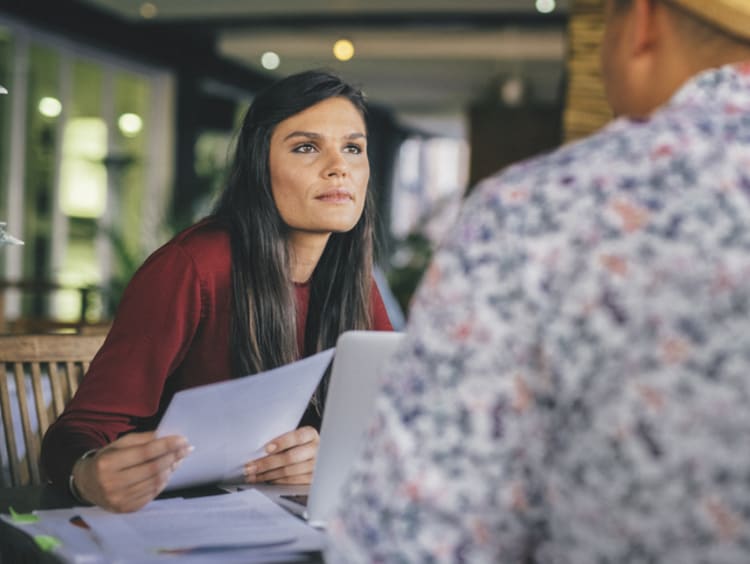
{"points": [[263, 315]]}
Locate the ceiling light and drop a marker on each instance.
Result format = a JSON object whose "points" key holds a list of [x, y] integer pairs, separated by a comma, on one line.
{"points": [[545, 6], [130, 124], [148, 10], [343, 49], [50, 107], [270, 60]]}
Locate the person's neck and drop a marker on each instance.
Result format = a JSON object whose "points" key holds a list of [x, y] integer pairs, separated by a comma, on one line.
{"points": [[676, 71], [700, 60], [305, 250]]}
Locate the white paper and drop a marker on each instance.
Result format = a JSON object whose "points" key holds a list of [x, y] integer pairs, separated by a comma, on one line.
{"points": [[78, 545], [244, 526], [230, 422]]}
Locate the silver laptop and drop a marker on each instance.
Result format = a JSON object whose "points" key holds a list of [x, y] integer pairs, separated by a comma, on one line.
{"points": [[359, 360]]}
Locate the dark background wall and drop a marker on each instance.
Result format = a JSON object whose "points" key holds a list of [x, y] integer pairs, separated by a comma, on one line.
{"points": [[501, 136]]}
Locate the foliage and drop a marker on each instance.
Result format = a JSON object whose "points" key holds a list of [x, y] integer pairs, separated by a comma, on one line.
{"points": [[408, 262]]}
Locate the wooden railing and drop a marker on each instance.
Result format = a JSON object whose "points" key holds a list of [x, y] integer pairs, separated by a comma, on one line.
{"points": [[44, 323]]}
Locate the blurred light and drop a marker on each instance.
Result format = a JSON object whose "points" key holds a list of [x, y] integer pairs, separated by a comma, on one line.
{"points": [[130, 124], [148, 10], [3, 90], [50, 107], [343, 49], [83, 176], [270, 60], [545, 6], [512, 91]]}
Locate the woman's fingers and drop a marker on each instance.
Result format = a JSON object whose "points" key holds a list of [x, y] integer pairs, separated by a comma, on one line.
{"points": [[299, 473], [140, 493], [300, 436], [293, 455], [260, 470], [133, 453], [130, 471], [302, 480], [119, 478]]}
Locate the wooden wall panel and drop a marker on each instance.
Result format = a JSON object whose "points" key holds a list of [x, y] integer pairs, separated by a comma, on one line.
{"points": [[586, 108]]}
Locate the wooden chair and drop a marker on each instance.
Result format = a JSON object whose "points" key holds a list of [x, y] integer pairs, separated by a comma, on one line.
{"points": [[58, 360]]}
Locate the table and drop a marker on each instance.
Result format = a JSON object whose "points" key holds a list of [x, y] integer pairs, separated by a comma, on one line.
{"points": [[18, 548]]}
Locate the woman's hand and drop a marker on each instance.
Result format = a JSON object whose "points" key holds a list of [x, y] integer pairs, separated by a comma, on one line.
{"points": [[290, 459], [129, 472]]}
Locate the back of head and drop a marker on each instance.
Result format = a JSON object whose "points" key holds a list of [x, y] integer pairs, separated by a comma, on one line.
{"points": [[728, 18], [720, 23], [652, 48]]}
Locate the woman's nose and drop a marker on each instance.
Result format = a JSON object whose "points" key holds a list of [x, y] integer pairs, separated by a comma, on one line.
{"points": [[336, 165]]}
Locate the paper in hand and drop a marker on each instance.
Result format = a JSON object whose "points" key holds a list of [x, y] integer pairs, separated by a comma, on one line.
{"points": [[230, 422]]}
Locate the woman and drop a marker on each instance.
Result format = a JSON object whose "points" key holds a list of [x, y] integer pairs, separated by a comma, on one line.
{"points": [[277, 272]]}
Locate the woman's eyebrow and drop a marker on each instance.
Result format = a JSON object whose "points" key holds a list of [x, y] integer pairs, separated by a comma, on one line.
{"points": [[308, 134], [313, 135]]}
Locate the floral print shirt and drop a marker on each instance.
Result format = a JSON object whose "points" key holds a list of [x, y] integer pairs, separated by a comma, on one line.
{"points": [[575, 383]]}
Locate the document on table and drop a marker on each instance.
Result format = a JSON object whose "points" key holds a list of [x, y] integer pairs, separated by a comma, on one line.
{"points": [[238, 527], [70, 541], [244, 526], [230, 422], [66, 535]]}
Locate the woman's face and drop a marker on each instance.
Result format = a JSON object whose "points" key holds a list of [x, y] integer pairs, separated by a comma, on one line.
{"points": [[319, 168]]}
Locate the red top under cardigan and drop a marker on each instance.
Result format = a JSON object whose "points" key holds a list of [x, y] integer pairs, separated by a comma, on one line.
{"points": [[171, 332]]}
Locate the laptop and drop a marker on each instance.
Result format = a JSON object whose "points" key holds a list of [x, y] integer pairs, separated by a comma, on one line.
{"points": [[350, 404]]}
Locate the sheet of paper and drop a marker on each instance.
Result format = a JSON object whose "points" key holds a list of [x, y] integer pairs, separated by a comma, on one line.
{"points": [[77, 544], [244, 526], [228, 423]]}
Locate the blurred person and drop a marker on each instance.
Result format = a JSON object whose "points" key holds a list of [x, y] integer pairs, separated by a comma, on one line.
{"points": [[277, 272], [575, 382]]}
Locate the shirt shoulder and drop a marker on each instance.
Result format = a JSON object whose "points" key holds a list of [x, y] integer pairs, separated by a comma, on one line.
{"points": [[203, 248], [206, 241]]}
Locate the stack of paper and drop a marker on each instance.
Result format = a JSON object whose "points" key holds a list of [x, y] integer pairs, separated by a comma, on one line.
{"points": [[239, 527]]}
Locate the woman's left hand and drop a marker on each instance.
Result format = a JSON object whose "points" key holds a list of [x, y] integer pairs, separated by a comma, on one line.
{"points": [[290, 459]]}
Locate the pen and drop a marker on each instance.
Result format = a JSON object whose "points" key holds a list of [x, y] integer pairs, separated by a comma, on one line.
{"points": [[208, 548]]}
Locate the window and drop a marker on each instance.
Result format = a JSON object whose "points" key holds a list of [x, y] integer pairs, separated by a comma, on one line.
{"points": [[85, 168]]}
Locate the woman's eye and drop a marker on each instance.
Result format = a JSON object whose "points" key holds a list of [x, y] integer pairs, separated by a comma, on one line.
{"points": [[304, 148], [353, 148]]}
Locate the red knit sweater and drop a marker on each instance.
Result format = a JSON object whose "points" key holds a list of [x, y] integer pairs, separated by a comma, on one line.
{"points": [[171, 332]]}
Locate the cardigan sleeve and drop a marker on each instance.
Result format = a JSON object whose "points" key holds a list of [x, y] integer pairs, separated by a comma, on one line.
{"points": [[156, 321]]}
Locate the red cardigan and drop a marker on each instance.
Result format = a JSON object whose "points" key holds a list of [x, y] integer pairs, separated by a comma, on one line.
{"points": [[171, 332]]}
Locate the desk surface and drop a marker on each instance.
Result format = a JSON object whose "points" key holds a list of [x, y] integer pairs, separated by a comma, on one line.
{"points": [[17, 548]]}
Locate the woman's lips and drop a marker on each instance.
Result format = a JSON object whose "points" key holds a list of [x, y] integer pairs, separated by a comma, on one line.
{"points": [[335, 196]]}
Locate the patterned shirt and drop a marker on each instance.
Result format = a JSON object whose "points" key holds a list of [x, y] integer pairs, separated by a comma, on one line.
{"points": [[575, 384]]}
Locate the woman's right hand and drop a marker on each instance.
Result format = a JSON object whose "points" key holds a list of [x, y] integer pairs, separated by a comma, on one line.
{"points": [[129, 472]]}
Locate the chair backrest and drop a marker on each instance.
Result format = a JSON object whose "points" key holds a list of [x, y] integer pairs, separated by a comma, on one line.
{"points": [[48, 368]]}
